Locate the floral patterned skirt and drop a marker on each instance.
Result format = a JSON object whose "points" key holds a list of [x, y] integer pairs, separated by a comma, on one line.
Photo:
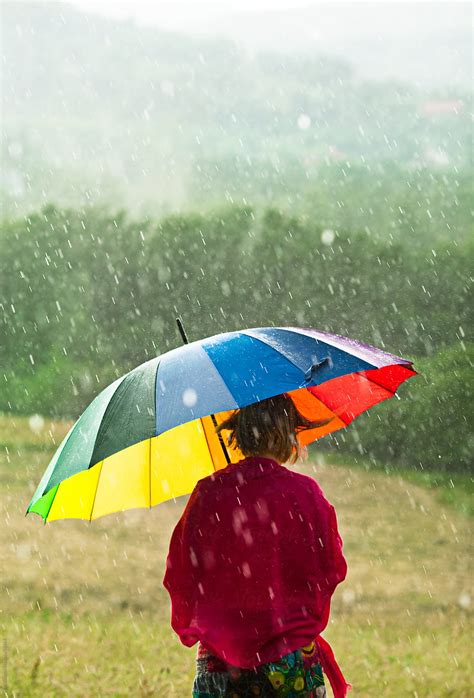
{"points": [[295, 675]]}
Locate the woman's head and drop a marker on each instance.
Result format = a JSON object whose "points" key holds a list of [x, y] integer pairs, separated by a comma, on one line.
{"points": [[269, 428]]}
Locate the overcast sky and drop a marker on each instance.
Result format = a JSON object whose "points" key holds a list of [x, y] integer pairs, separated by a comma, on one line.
{"points": [[160, 13], [425, 42]]}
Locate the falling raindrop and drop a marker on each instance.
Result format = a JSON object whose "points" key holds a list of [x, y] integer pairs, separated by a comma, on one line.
{"points": [[304, 122], [327, 236]]}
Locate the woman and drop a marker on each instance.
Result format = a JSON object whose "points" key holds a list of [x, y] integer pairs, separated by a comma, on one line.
{"points": [[253, 563]]}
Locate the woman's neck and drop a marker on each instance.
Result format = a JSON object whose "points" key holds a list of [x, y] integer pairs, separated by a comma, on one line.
{"points": [[268, 456]]}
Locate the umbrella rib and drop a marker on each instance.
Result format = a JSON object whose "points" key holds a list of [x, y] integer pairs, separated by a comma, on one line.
{"points": [[100, 463], [156, 419], [149, 467], [51, 504], [221, 440], [270, 346]]}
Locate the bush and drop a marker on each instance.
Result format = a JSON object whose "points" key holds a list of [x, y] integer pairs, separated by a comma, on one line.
{"points": [[429, 426]]}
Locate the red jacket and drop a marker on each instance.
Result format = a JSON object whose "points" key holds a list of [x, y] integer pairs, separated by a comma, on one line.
{"points": [[252, 566]]}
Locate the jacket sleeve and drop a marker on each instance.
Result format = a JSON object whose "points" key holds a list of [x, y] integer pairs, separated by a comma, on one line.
{"points": [[179, 579]]}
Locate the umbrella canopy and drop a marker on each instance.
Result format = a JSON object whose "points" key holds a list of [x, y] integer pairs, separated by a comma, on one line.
{"points": [[149, 436]]}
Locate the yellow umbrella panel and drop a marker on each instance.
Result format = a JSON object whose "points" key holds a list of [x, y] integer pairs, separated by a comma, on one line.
{"points": [[142, 475]]}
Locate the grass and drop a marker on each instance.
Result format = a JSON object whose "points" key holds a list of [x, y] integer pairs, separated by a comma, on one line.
{"points": [[84, 612], [453, 488]]}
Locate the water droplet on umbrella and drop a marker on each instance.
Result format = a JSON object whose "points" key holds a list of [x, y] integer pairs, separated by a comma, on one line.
{"points": [[189, 397]]}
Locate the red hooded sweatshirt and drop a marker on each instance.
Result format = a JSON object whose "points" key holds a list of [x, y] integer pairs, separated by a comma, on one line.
{"points": [[252, 566]]}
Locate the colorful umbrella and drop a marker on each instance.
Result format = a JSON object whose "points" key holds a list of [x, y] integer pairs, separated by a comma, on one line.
{"points": [[150, 436]]}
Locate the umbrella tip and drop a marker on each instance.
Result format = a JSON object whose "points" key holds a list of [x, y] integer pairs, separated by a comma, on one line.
{"points": [[182, 331]]}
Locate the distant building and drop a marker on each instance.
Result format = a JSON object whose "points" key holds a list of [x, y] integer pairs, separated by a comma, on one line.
{"points": [[445, 106], [436, 156], [335, 154], [430, 156]]}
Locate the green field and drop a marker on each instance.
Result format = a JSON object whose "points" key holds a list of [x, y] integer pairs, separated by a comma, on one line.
{"points": [[84, 612]]}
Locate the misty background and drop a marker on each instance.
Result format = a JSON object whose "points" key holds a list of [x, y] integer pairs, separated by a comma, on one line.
{"points": [[165, 106], [242, 165]]}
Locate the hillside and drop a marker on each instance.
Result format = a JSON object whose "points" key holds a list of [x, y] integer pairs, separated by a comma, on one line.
{"points": [[98, 110]]}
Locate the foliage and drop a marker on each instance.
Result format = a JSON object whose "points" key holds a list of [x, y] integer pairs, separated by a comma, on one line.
{"points": [[87, 295], [430, 426]]}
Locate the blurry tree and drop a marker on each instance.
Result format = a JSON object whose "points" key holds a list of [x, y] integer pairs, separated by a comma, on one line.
{"points": [[88, 294]]}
